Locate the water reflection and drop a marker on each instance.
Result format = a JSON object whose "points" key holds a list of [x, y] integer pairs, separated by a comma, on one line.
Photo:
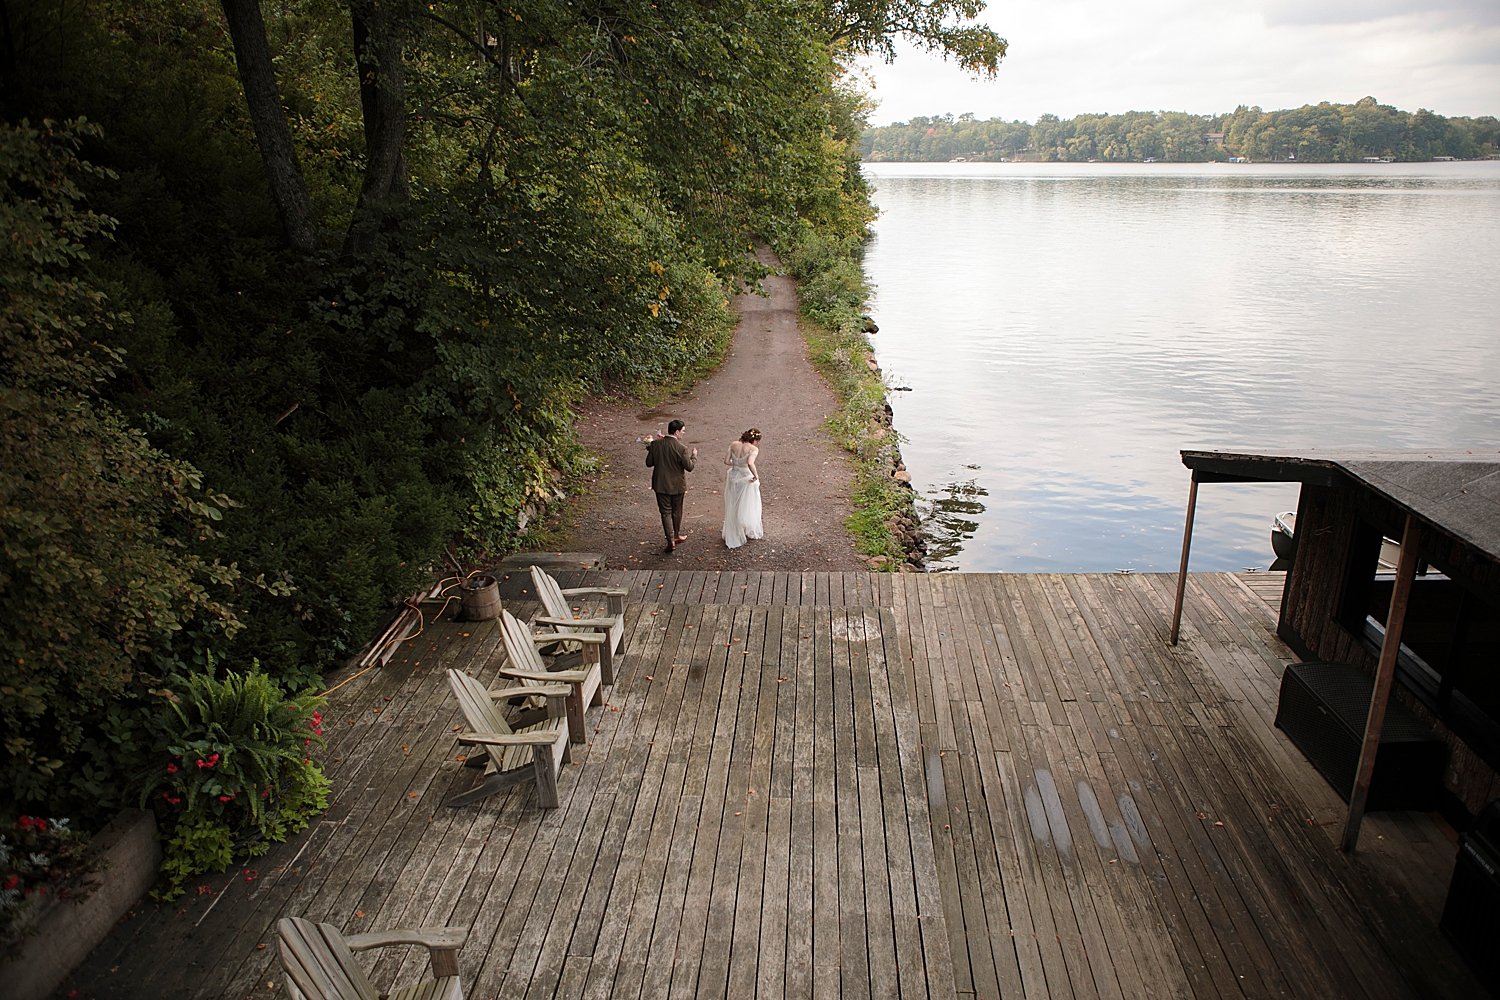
{"points": [[949, 519]]}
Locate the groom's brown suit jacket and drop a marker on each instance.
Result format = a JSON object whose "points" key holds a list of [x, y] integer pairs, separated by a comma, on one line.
{"points": [[668, 460]]}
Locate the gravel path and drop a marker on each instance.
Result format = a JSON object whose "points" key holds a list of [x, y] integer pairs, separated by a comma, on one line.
{"points": [[766, 382]]}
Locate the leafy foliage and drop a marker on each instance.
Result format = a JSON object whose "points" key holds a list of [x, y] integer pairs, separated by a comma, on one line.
{"points": [[1323, 133], [238, 774], [40, 858], [100, 563]]}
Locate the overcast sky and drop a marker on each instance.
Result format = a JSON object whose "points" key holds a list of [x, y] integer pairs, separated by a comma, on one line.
{"points": [[1070, 57]]}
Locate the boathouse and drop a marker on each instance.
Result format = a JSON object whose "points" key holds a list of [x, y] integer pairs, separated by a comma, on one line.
{"points": [[1441, 604]]}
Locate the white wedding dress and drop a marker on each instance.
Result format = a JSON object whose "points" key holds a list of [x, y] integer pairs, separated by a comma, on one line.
{"points": [[741, 503]]}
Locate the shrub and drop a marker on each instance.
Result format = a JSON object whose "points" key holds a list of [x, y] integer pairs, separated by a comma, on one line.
{"points": [[97, 526], [238, 774], [39, 857]]}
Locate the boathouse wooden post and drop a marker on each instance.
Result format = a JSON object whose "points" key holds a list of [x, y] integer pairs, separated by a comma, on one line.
{"points": [[1385, 678], [1187, 541]]}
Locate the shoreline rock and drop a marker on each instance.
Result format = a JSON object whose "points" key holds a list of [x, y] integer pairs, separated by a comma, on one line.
{"points": [[906, 528]]}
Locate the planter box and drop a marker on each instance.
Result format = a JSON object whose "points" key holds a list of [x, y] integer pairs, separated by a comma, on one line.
{"points": [[66, 931], [1322, 709]]}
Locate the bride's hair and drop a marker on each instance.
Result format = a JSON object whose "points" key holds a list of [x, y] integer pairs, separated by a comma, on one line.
{"points": [[751, 436]]}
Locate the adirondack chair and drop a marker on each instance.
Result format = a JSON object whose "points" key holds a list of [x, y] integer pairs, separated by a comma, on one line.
{"points": [[523, 647], [319, 961], [533, 750], [560, 619]]}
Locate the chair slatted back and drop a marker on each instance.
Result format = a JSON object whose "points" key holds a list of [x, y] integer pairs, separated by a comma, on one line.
{"points": [[550, 594], [318, 964], [522, 651], [480, 710], [556, 603]]}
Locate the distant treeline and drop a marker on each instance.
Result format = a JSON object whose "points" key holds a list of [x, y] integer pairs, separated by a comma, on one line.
{"points": [[1322, 133]]}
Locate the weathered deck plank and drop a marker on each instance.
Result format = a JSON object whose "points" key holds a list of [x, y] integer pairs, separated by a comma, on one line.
{"points": [[841, 785]]}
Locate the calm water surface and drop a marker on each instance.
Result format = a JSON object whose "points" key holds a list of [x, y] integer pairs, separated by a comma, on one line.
{"points": [[1065, 330]]}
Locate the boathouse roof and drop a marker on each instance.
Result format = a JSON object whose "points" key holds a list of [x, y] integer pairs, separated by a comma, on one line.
{"points": [[1456, 491]]}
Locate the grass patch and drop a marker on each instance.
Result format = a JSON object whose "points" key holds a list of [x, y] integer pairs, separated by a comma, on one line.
{"points": [[833, 295]]}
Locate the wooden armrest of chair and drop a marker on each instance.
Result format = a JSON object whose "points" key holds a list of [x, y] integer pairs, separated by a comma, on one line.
{"points": [[575, 623], [541, 641], [509, 739], [606, 591], [577, 676], [442, 944], [614, 595], [527, 690], [431, 938]]}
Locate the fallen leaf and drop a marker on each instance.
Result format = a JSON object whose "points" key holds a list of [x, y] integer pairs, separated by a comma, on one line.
{"points": [[411, 795], [359, 914], [261, 946]]}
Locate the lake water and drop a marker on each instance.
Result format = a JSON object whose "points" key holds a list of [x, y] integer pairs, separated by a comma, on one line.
{"points": [[1064, 330]]}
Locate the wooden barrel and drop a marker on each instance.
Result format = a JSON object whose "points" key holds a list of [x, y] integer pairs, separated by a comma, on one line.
{"points": [[481, 598]]}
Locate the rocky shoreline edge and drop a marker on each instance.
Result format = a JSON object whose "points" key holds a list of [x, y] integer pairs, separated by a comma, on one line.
{"points": [[905, 526]]}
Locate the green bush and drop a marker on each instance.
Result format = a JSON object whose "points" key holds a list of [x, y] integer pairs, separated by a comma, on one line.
{"points": [[39, 858], [238, 774], [101, 533]]}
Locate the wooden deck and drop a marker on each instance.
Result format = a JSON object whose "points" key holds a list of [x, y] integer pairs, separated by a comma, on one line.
{"points": [[854, 785]]}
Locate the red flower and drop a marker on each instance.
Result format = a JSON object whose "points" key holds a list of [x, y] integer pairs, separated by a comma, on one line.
{"points": [[13, 881], [41, 825], [203, 763], [26, 822], [171, 768], [226, 798]]}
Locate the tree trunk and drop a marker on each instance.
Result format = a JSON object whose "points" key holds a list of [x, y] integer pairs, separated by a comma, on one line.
{"points": [[382, 98], [267, 116]]}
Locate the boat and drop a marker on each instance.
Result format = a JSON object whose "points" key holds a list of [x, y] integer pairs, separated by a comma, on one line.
{"points": [[1284, 542], [1284, 534]]}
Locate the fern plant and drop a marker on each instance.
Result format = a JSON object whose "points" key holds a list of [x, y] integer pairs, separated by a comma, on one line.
{"points": [[238, 775]]}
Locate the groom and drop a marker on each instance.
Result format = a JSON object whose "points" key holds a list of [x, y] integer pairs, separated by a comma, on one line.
{"points": [[668, 459]]}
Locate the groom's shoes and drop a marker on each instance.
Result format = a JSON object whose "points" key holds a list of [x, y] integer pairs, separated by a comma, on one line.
{"points": [[671, 547]]}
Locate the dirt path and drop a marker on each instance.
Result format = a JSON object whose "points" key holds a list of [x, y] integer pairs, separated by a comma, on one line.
{"points": [[766, 382]]}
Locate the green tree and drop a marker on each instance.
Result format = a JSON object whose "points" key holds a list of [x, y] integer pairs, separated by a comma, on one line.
{"points": [[943, 26], [98, 566]]}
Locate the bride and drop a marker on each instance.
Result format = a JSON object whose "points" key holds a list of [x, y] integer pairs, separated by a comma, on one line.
{"points": [[742, 491]]}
